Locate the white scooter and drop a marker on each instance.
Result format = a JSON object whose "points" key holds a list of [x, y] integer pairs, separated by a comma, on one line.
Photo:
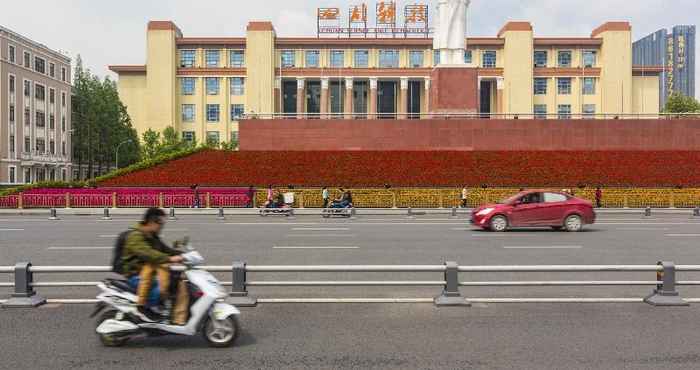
{"points": [[121, 320]]}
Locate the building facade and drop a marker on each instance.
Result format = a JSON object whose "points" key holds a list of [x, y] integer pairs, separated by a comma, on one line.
{"points": [[35, 113], [203, 86], [676, 51]]}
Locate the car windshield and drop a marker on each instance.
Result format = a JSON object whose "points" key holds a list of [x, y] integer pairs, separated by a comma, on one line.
{"points": [[511, 199]]}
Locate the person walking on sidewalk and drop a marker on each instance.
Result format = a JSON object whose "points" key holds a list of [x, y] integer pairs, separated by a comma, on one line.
{"points": [[598, 197], [465, 196], [326, 197]]}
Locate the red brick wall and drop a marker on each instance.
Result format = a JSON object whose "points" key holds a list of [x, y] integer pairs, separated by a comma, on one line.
{"points": [[454, 90], [470, 135]]}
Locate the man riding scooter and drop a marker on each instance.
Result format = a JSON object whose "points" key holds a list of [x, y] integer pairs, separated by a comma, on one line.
{"points": [[146, 256]]}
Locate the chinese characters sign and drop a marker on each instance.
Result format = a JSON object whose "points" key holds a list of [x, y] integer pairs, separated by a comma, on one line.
{"points": [[416, 20]]}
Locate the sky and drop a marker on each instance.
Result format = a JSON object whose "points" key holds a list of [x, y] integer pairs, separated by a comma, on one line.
{"points": [[114, 32]]}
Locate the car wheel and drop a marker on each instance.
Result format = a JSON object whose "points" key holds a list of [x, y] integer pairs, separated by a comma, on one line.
{"points": [[573, 223], [499, 224]]}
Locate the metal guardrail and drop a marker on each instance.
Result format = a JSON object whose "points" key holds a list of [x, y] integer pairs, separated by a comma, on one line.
{"points": [[664, 294]]}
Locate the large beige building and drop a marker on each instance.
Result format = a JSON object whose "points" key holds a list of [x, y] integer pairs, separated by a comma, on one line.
{"points": [[202, 86], [35, 113]]}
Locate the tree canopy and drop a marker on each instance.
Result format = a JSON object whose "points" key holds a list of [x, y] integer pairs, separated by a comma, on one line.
{"points": [[679, 103]]}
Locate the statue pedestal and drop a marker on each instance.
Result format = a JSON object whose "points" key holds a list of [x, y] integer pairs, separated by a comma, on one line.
{"points": [[454, 89]]}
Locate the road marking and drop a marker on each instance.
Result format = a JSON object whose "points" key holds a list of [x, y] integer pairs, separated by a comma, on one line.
{"points": [[321, 235], [11, 229], [79, 248], [502, 235], [545, 247], [311, 247], [266, 223], [647, 223], [642, 229], [320, 229], [108, 236], [683, 235]]}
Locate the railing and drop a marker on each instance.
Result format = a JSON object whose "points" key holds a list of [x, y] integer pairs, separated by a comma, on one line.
{"points": [[406, 115], [664, 294]]}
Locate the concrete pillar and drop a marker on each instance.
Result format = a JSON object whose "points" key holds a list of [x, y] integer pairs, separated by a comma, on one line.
{"points": [[426, 102], [372, 109], [301, 97], [499, 95], [325, 98], [278, 95], [348, 98], [403, 98]]}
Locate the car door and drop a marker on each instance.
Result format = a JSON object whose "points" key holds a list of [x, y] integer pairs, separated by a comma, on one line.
{"points": [[553, 209], [527, 211]]}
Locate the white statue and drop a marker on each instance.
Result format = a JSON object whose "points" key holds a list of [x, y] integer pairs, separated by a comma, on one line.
{"points": [[451, 31]]}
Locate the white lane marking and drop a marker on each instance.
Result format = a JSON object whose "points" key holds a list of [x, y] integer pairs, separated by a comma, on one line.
{"points": [[506, 235], [643, 229], [683, 235], [313, 247], [11, 229], [264, 223], [321, 235], [647, 223], [545, 247], [108, 236], [79, 248], [320, 229]]}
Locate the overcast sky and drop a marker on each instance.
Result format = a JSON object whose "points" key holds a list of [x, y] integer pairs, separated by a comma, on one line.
{"points": [[113, 32]]}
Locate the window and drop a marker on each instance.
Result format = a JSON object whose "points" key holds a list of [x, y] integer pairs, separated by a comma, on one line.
{"points": [[63, 174], [388, 59], [64, 74], [27, 88], [540, 111], [39, 92], [12, 84], [27, 176], [436, 57], [63, 99], [589, 86], [52, 121], [489, 59], [11, 52], [12, 143], [12, 113], [554, 198], [416, 58], [312, 58], [564, 85], [288, 59], [212, 58], [12, 175], [52, 96], [27, 60], [540, 86], [237, 111], [589, 58], [188, 136], [236, 58], [27, 116], [540, 58], [212, 137], [589, 111], [212, 85], [187, 84], [52, 147], [40, 65], [468, 56], [63, 123], [564, 59], [40, 146], [187, 58], [361, 58], [27, 145], [63, 148], [234, 136], [212, 112], [52, 70], [40, 119], [188, 113], [564, 111], [237, 86], [337, 59]]}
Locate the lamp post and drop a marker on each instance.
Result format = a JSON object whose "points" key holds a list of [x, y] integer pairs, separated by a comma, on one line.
{"points": [[117, 151]]}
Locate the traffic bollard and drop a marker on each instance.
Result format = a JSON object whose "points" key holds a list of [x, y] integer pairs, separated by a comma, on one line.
{"points": [[696, 212], [454, 212], [239, 291], [106, 215], [450, 295], [221, 214], [665, 293], [647, 212], [353, 213], [24, 295], [53, 215], [410, 213], [172, 214]]}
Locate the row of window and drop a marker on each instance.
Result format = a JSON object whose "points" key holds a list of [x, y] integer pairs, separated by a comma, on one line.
{"points": [[41, 175], [212, 58], [212, 84], [387, 58], [39, 146], [564, 86], [213, 137], [39, 66], [39, 91], [213, 112], [564, 111], [564, 58]]}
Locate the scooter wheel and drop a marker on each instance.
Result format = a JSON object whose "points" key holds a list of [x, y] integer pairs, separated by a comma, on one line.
{"points": [[106, 339], [221, 333]]}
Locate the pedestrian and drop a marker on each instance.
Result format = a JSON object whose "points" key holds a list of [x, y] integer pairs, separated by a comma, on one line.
{"points": [[251, 196], [465, 196], [196, 203], [326, 197], [598, 197], [268, 200]]}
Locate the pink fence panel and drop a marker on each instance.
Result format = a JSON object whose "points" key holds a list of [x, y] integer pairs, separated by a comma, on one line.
{"points": [[44, 200], [183, 200], [230, 200], [137, 200], [10, 201], [90, 200]]}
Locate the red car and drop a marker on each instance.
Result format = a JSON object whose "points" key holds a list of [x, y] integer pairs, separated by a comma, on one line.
{"points": [[536, 208]]}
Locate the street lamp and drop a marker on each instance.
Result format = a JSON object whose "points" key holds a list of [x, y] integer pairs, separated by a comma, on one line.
{"points": [[117, 151]]}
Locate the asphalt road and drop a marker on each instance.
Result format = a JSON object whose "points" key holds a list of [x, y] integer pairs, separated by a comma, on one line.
{"points": [[378, 336]]}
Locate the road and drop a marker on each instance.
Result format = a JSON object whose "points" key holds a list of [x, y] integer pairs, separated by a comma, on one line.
{"points": [[376, 336]]}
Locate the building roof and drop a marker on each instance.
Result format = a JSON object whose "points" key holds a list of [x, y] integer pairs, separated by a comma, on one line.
{"points": [[128, 68], [35, 44]]}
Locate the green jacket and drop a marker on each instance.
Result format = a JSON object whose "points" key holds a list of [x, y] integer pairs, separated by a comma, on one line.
{"points": [[142, 248]]}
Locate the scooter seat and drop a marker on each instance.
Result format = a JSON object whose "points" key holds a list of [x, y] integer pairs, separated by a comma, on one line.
{"points": [[122, 285]]}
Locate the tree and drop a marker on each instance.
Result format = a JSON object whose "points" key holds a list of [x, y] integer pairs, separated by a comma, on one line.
{"points": [[679, 103], [151, 144]]}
